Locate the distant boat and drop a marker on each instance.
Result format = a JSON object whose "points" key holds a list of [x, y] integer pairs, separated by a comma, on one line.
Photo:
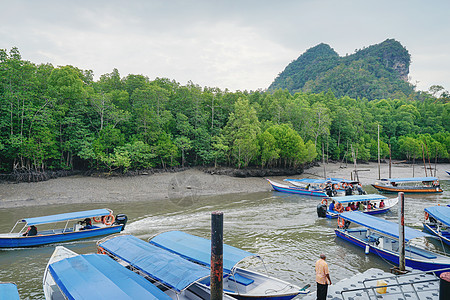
{"points": [[177, 276], [448, 172], [104, 223], [237, 282], [281, 187], [409, 185], [69, 275], [381, 237], [437, 222], [324, 211], [8, 290]]}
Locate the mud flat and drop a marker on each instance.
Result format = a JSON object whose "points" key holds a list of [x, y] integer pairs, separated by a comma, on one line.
{"points": [[81, 189]]}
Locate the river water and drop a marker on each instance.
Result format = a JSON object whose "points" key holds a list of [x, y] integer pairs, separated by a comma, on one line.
{"points": [[283, 228]]}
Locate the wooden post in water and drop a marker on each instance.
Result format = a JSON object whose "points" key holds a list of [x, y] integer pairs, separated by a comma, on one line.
{"points": [[424, 163], [379, 171], [401, 231], [217, 255], [390, 160]]}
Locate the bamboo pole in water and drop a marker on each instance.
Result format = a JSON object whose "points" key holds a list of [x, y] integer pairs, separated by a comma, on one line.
{"points": [[379, 171]]}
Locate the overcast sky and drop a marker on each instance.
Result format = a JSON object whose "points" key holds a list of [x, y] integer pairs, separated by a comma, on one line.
{"points": [[239, 45]]}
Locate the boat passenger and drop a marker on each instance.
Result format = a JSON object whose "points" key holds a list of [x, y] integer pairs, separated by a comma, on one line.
{"points": [[369, 206], [328, 190], [87, 223], [32, 230], [354, 206], [349, 190], [360, 189], [361, 206], [331, 207], [382, 204], [348, 208]]}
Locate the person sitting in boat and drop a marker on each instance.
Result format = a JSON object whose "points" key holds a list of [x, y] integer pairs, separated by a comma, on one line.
{"points": [[360, 189], [328, 190], [349, 190], [361, 206], [382, 203], [369, 205], [331, 207], [32, 230], [87, 223], [354, 206], [348, 208]]}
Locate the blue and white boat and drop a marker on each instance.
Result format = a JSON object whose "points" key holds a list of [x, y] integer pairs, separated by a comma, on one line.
{"points": [[382, 204], [437, 222], [104, 222], [69, 275], [8, 290], [178, 277], [381, 237], [238, 282], [295, 189]]}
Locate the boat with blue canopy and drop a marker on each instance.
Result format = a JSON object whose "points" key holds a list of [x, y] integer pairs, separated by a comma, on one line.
{"points": [[437, 222], [179, 277], [69, 275], [8, 290], [238, 282], [409, 185], [77, 225], [381, 237], [370, 204], [318, 187]]}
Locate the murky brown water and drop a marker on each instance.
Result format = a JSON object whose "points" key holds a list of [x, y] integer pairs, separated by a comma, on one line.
{"points": [[282, 228]]}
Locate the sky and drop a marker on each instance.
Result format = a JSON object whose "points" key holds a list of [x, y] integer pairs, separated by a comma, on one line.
{"points": [[229, 44]]}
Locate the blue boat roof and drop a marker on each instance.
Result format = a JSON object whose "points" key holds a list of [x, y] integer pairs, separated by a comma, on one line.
{"points": [[356, 198], [96, 276], [319, 181], [66, 216], [440, 213], [412, 179], [162, 265], [198, 249], [381, 225], [8, 290]]}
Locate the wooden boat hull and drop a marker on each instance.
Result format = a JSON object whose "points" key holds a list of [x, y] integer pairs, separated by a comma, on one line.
{"points": [[297, 190], [406, 189], [430, 228], [38, 240], [424, 265]]}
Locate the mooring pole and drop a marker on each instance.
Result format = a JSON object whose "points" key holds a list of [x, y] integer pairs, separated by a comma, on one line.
{"points": [[216, 255], [401, 231], [379, 171]]}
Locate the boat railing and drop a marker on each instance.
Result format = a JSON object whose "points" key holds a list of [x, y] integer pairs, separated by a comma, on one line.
{"points": [[399, 287]]}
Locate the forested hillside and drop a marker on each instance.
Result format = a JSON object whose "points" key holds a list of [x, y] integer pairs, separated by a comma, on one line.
{"points": [[377, 72], [55, 118]]}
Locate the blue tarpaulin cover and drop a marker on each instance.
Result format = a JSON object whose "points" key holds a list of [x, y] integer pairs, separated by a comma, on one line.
{"points": [[440, 213], [8, 290], [66, 216], [96, 276], [356, 198], [412, 179], [198, 249], [162, 265], [319, 181], [383, 226]]}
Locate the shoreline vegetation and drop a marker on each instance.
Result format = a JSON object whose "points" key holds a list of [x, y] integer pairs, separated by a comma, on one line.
{"points": [[173, 184]]}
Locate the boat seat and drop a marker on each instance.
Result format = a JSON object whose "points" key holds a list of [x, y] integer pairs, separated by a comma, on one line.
{"points": [[241, 279], [420, 252]]}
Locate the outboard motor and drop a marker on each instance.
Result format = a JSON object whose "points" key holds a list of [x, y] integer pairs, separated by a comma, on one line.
{"points": [[321, 210], [121, 219]]}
